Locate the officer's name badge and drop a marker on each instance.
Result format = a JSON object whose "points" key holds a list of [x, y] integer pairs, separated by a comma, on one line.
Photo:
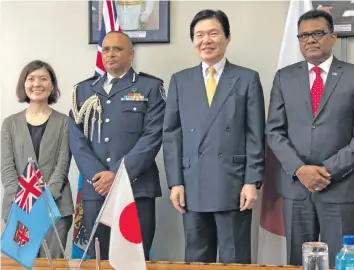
{"points": [[134, 97]]}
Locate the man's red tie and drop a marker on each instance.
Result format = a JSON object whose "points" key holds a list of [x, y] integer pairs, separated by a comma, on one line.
{"points": [[316, 90]]}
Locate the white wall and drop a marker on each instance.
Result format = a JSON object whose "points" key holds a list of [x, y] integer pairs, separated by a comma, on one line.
{"points": [[57, 32]]}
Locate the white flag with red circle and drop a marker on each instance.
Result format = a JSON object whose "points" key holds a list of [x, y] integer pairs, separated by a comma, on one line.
{"points": [[120, 213]]}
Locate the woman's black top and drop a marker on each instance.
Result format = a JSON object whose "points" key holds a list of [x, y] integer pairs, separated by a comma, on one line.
{"points": [[36, 133]]}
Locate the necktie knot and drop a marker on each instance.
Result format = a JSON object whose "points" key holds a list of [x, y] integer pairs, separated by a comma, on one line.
{"points": [[211, 70], [114, 81], [317, 70]]}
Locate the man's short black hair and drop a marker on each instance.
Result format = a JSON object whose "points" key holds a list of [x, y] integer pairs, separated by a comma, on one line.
{"points": [[316, 14], [210, 14]]}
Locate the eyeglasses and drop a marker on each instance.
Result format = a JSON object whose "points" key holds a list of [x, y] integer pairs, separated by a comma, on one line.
{"points": [[316, 35]]}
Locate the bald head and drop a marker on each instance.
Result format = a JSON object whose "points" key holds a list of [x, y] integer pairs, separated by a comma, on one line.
{"points": [[117, 53], [122, 35]]}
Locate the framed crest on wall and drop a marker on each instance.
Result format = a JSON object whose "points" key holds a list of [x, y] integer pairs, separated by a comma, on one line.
{"points": [[144, 21]]}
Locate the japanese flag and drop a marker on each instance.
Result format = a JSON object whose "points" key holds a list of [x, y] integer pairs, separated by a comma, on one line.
{"points": [[120, 213]]}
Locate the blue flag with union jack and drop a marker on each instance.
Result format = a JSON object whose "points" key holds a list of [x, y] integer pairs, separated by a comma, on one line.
{"points": [[29, 220], [107, 10]]}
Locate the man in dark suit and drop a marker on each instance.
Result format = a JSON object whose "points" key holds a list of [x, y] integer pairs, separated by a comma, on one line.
{"points": [[310, 130], [123, 118], [214, 146]]}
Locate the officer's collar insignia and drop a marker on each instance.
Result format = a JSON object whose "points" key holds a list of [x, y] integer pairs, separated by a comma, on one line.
{"points": [[96, 81]]}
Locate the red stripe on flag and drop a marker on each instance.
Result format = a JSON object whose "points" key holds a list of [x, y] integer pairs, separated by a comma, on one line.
{"points": [[272, 203], [99, 62], [111, 15]]}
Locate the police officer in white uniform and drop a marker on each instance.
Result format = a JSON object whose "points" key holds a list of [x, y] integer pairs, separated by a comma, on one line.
{"points": [[134, 13]]}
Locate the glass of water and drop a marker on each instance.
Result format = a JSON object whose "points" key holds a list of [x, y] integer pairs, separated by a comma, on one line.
{"points": [[315, 256]]}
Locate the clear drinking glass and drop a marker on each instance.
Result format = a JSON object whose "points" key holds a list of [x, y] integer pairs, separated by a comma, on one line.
{"points": [[315, 256]]}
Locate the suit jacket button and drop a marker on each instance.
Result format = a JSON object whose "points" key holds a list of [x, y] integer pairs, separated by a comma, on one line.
{"points": [[313, 127], [192, 129], [200, 154], [228, 128], [108, 102], [108, 159], [220, 155], [106, 139]]}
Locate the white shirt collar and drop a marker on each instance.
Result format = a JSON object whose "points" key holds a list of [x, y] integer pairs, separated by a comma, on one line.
{"points": [[110, 77], [325, 66], [219, 66]]}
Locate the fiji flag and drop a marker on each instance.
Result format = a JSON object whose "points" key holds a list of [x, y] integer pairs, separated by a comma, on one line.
{"points": [[109, 23], [80, 237], [29, 220]]}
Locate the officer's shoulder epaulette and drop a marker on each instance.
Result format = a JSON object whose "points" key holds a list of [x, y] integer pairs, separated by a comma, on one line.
{"points": [[93, 79], [150, 76]]}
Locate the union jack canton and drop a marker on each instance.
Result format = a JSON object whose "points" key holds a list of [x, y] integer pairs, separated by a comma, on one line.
{"points": [[30, 187]]}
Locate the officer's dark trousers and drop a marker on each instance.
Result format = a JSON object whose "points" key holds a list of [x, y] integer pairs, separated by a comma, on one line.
{"points": [[146, 213]]}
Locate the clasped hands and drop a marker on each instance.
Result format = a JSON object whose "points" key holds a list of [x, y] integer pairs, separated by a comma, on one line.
{"points": [[248, 197], [314, 178], [103, 182]]}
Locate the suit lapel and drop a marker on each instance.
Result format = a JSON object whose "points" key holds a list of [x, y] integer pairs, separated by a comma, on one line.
{"points": [[225, 85], [49, 138], [198, 94], [334, 74], [123, 83], [305, 86], [98, 87], [27, 141]]}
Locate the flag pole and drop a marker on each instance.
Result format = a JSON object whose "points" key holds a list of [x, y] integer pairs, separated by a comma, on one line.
{"points": [[91, 236], [98, 254], [97, 221], [31, 162], [46, 250]]}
